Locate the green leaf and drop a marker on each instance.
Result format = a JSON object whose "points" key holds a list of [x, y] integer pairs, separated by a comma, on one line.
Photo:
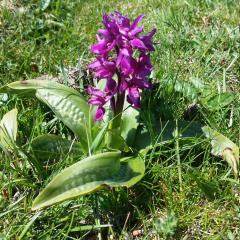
{"points": [[189, 89], [99, 138], [91, 174], [164, 133], [166, 226], [129, 124], [131, 171], [68, 105], [116, 141], [8, 129], [49, 147], [219, 101], [45, 4], [210, 188], [223, 147], [82, 177]]}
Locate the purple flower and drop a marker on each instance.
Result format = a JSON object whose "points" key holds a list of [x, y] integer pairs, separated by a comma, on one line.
{"points": [[103, 46], [119, 32], [134, 29], [134, 96], [116, 49], [143, 66], [99, 98], [103, 68], [99, 114], [125, 61], [147, 40]]}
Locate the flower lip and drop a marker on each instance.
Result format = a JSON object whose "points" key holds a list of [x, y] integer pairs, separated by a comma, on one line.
{"points": [[134, 97], [99, 114]]}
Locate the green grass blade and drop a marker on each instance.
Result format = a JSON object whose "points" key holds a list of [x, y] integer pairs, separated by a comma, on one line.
{"points": [[29, 225], [99, 138]]}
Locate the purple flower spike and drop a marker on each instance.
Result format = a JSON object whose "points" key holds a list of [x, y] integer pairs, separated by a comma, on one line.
{"points": [[116, 49]]}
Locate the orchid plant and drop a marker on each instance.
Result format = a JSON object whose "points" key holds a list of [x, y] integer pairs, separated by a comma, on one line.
{"points": [[106, 124]]}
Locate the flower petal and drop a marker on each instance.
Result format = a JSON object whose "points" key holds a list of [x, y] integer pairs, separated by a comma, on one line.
{"points": [[99, 47], [135, 31], [99, 114], [95, 92], [105, 34], [123, 86], [111, 86], [126, 51], [136, 21], [147, 39], [142, 83], [96, 101], [134, 97], [95, 64], [127, 65], [137, 43], [102, 46]]}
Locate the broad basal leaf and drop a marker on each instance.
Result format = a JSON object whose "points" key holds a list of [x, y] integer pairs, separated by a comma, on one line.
{"points": [[49, 147], [8, 129], [131, 171], [90, 174], [68, 105], [223, 147], [82, 177]]}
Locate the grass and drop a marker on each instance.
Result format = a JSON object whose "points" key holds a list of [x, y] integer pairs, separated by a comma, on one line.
{"points": [[196, 41]]}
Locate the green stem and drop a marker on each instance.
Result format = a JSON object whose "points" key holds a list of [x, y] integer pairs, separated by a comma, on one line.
{"points": [[118, 111], [116, 121], [178, 156]]}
